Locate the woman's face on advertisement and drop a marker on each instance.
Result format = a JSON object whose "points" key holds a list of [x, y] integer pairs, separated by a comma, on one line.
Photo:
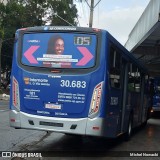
{"points": [[59, 46]]}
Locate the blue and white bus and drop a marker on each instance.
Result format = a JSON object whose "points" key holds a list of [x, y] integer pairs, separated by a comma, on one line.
{"points": [[90, 86], [156, 95]]}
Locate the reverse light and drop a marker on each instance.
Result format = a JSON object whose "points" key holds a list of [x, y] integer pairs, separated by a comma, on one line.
{"points": [[15, 94], [96, 99], [12, 120], [96, 128]]}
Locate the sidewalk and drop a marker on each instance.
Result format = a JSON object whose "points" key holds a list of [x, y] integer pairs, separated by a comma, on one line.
{"points": [[4, 95]]}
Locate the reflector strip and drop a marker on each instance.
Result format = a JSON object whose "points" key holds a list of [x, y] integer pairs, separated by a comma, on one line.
{"points": [[96, 99], [15, 94]]}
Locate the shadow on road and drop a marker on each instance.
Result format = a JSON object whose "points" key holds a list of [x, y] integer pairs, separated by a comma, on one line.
{"points": [[156, 115], [78, 146]]}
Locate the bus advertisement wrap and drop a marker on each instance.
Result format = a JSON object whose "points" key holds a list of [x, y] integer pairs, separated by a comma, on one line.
{"points": [[61, 50]]}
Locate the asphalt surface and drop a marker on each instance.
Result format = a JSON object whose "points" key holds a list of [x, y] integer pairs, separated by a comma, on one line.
{"points": [[61, 146]]}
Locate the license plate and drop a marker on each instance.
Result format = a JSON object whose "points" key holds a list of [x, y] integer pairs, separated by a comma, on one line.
{"points": [[53, 106]]}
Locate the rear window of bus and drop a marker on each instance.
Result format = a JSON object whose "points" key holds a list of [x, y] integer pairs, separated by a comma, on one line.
{"points": [[59, 50]]}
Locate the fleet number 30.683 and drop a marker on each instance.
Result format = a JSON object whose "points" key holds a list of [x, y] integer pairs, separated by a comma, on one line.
{"points": [[73, 84]]}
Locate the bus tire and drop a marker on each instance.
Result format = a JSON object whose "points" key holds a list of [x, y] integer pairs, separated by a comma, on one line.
{"points": [[149, 113], [128, 134], [147, 117]]}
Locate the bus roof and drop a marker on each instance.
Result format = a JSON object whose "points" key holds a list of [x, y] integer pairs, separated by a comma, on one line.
{"points": [[60, 28]]}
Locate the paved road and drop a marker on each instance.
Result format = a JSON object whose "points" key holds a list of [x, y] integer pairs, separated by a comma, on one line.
{"points": [[144, 139], [12, 139], [4, 105]]}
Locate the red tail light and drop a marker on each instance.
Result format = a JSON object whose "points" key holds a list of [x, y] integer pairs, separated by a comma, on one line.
{"points": [[15, 94], [96, 99]]}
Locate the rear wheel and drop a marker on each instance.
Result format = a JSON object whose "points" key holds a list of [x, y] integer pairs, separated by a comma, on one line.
{"points": [[128, 134], [148, 117]]}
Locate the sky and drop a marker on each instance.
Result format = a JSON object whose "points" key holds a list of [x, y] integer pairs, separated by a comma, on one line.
{"points": [[116, 16]]}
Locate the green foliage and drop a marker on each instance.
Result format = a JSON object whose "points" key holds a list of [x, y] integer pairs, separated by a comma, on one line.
{"points": [[1, 33], [27, 13], [64, 9]]}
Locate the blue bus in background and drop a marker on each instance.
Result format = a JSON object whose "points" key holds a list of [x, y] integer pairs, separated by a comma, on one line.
{"points": [[156, 95], [78, 81]]}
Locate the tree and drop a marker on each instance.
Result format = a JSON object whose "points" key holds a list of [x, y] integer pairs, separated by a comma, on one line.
{"points": [[45, 11], [64, 9], [25, 13]]}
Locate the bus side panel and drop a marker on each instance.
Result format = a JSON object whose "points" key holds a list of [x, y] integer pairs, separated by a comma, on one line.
{"points": [[156, 96], [105, 124], [135, 104], [113, 112], [112, 100], [146, 106], [15, 74], [156, 103]]}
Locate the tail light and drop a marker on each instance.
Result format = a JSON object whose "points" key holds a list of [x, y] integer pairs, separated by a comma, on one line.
{"points": [[15, 94], [96, 100]]}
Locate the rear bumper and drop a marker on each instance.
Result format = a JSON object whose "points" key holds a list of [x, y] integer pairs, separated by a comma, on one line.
{"points": [[81, 126]]}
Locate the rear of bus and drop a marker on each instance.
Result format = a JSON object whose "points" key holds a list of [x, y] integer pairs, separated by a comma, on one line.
{"points": [[63, 91]]}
